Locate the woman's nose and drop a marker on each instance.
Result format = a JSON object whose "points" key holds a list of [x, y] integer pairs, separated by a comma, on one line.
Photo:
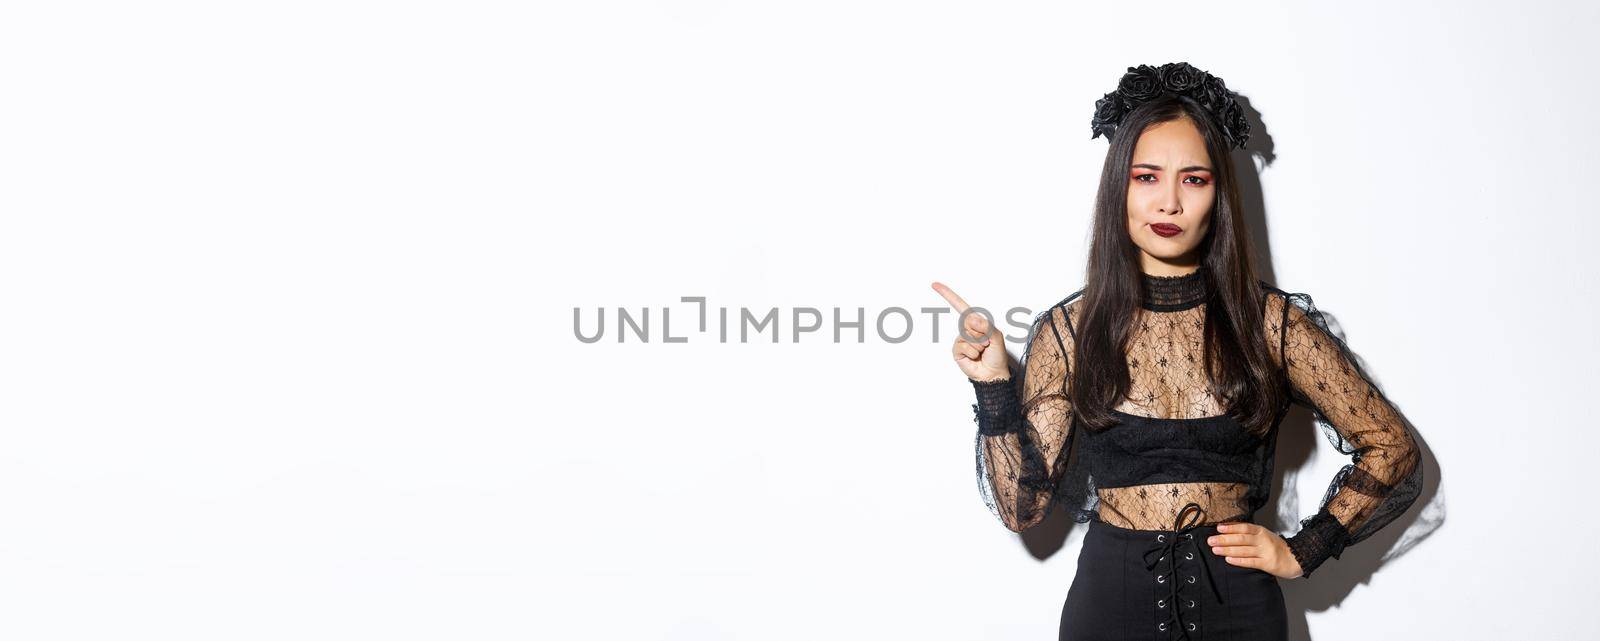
{"points": [[1170, 203]]}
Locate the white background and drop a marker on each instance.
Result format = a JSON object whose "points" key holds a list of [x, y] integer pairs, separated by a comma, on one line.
{"points": [[288, 292]]}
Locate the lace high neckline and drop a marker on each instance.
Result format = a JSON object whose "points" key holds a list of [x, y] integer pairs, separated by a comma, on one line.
{"points": [[1173, 293]]}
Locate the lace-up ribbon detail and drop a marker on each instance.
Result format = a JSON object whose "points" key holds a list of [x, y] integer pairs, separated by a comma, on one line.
{"points": [[1168, 546]]}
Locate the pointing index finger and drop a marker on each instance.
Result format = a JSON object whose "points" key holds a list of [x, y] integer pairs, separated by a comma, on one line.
{"points": [[950, 295]]}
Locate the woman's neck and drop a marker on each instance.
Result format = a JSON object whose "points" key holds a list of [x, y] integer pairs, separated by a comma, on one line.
{"points": [[1173, 293]]}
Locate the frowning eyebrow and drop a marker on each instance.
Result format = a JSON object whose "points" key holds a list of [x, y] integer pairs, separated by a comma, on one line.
{"points": [[1145, 165]]}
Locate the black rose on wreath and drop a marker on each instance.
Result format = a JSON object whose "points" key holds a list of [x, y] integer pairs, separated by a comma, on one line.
{"points": [[1233, 123], [1108, 112], [1179, 77], [1141, 83], [1144, 83]]}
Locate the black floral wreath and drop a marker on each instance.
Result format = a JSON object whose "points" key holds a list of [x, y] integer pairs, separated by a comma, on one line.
{"points": [[1144, 83]]}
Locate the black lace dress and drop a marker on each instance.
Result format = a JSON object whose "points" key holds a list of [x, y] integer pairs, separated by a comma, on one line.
{"points": [[1154, 486]]}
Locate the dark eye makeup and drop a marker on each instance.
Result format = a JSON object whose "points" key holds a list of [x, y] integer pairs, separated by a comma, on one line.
{"points": [[1198, 180]]}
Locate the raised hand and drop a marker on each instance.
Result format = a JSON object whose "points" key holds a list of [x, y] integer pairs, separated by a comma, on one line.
{"points": [[984, 360]]}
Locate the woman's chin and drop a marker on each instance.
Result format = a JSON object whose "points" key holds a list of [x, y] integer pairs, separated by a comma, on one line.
{"points": [[1167, 250]]}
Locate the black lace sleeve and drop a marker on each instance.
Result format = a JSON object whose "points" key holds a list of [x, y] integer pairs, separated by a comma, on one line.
{"points": [[1023, 427], [1384, 476]]}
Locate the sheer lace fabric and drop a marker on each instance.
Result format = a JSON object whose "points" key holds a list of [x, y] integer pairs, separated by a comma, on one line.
{"points": [[1175, 444]]}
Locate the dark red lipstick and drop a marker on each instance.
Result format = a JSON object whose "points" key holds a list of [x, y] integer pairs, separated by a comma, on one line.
{"points": [[1167, 230]]}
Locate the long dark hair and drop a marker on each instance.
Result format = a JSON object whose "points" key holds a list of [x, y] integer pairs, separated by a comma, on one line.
{"points": [[1242, 371]]}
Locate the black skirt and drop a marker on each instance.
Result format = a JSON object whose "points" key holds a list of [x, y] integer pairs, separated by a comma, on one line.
{"points": [[1151, 585]]}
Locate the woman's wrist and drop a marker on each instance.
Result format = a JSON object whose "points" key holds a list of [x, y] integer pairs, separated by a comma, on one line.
{"points": [[1321, 537], [997, 410]]}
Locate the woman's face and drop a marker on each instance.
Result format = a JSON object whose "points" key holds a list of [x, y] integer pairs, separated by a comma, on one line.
{"points": [[1170, 196]]}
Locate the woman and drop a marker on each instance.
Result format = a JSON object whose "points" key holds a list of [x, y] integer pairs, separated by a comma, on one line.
{"points": [[1174, 365]]}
